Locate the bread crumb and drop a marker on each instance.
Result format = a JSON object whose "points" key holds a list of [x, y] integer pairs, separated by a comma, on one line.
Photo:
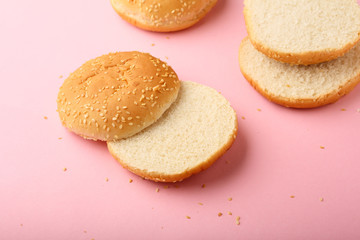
{"points": [[200, 203], [21, 225], [64, 169], [227, 161], [322, 147], [230, 199], [292, 196], [85, 231], [45, 117], [166, 187], [167, 37], [220, 214], [130, 180], [157, 190], [188, 217], [229, 213], [237, 220], [176, 186], [203, 186], [321, 199], [343, 109], [358, 110], [166, 57], [242, 117]]}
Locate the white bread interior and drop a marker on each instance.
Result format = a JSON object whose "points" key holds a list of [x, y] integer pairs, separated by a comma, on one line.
{"points": [[195, 131], [302, 31], [300, 86]]}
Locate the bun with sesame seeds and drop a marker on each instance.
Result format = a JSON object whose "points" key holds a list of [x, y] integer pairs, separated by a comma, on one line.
{"points": [[190, 136], [162, 15], [116, 95]]}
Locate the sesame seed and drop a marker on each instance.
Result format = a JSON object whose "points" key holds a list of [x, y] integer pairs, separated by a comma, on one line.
{"points": [[188, 217], [343, 109], [292, 196], [60, 138], [237, 220], [259, 110], [229, 213], [130, 180], [157, 190], [203, 185], [65, 169], [220, 214], [243, 118], [45, 118], [230, 199], [201, 204], [322, 147], [107, 179], [321, 199]]}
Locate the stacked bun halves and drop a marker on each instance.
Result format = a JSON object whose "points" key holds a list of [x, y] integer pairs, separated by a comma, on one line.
{"points": [[155, 125], [301, 53]]}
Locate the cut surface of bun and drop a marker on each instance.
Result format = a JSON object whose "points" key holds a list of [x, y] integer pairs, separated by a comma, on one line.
{"points": [[162, 15], [302, 31], [116, 95], [195, 131], [300, 86]]}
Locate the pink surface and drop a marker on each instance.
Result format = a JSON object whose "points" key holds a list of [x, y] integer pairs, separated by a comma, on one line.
{"points": [[277, 153]]}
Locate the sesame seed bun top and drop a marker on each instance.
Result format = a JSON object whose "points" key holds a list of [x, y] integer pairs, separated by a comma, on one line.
{"points": [[116, 95], [162, 15]]}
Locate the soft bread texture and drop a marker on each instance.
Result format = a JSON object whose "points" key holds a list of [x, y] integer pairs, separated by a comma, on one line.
{"points": [[300, 86], [191, 135], [162, 15], [116, 95], [302, 31]]}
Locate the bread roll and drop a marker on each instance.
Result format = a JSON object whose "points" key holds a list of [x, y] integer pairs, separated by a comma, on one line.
{"points": [[191, 135], [116, 95], [162, 15], [303, 31], [300, 86]]}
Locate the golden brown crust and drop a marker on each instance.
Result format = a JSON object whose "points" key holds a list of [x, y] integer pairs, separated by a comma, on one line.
{"points": [[301, 102], [116, 95], [305, 58], [162, 15], [157, 177]]}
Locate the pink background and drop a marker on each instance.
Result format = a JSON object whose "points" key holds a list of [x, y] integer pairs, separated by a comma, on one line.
{"points": [[277, 153]]}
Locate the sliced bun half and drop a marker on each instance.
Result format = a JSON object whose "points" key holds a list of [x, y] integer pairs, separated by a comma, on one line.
{"points": [[303, 31], [162, 15], [116, 95], [194, 132], [300, 86]]}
